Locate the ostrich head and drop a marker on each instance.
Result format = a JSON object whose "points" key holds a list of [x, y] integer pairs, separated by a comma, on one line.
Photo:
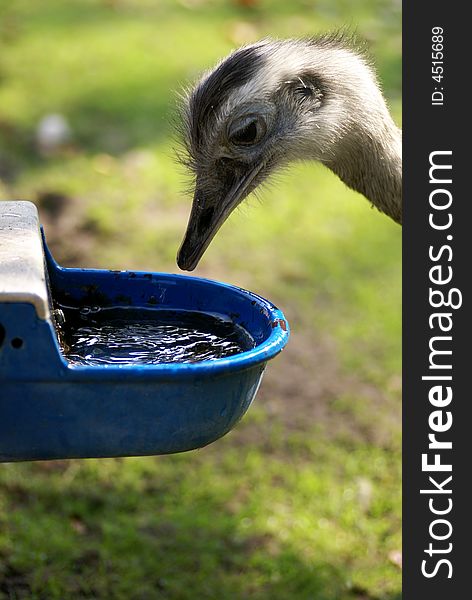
{"points": [[275, 102]]}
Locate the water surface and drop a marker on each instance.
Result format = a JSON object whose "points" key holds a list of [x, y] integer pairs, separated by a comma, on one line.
{"points": [[122, 335]]}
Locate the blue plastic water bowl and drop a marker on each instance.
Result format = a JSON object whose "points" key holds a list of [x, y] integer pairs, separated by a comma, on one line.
{"points": [[51, 408]]}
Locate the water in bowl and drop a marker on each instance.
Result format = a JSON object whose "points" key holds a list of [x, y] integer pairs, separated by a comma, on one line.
{"points": [[122, 335]]}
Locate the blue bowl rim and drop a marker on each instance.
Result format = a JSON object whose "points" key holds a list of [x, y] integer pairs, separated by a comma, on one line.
{"points": [[263, 352]]}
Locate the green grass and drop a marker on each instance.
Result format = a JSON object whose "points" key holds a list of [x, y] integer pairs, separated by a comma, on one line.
{"points": [[299, 502], [237, 522]]}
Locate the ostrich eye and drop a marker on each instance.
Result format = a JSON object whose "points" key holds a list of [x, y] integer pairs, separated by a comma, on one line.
{"points": [[246, 131], [246, 135]]}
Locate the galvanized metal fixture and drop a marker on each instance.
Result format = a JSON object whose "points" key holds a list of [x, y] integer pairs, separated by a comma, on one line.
{"points": [[50, 408]]}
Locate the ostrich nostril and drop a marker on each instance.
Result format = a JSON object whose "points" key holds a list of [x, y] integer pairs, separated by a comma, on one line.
{"points": [[205, 219], [224, 166], [224, 161]]}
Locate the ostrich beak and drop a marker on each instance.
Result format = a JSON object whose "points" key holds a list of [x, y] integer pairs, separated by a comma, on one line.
{"points": [[209, 212]]}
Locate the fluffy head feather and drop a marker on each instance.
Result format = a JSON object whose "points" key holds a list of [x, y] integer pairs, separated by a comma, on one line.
{"points": [[282, 100]]}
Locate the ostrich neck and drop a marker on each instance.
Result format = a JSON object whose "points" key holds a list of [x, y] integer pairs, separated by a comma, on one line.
{"points": [[372, 165]]}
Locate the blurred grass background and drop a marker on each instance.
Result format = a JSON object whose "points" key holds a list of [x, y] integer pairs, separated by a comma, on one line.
{"points": [[302, 500]]}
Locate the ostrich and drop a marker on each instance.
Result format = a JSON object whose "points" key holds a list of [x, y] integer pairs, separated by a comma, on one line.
{"points": [[274, 102]]}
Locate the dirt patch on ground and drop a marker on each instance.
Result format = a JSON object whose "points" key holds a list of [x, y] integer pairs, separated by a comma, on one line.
{"points": [[62, 218], [306, 388]]}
